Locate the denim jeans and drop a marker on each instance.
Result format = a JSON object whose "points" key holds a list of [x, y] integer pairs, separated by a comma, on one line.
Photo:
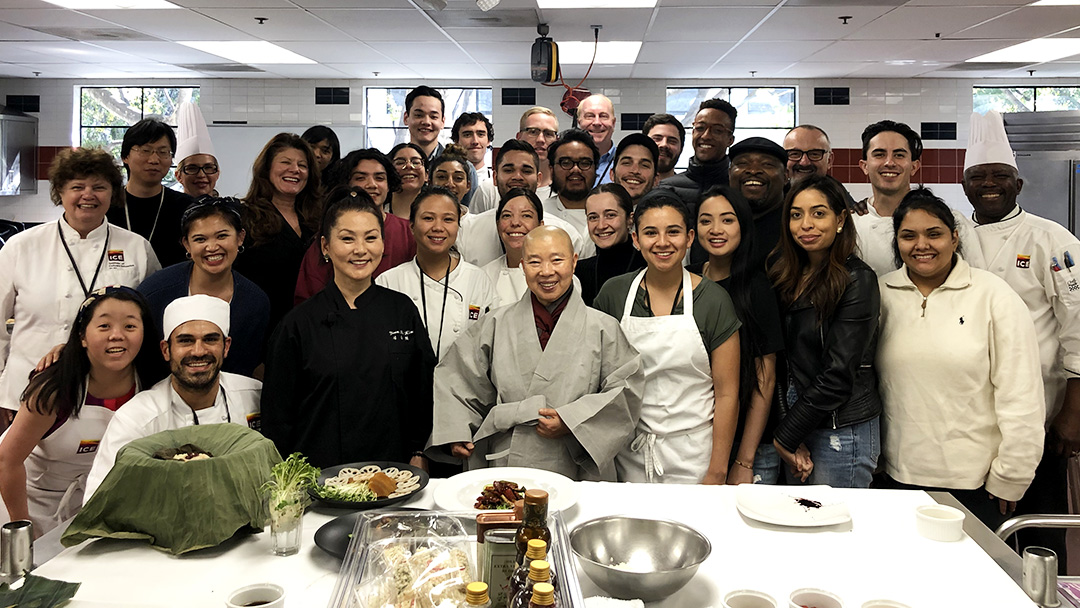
{"points": [[843, 458], [767, 464]]}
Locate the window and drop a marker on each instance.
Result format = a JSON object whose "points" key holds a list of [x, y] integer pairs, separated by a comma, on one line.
{"points": [[763, 112], [386, 107], [1026, 99], [105, 113]]}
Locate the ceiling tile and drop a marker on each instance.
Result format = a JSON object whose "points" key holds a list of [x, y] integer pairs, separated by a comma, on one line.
{"points": [[14, 32], [427, 52], [173, 25], [280, 25], [1013, 3], [1032, 21], [353, 52], [14, 52], [499, 52], [730, 69], [398, 4], [686, 23], [670, 70], [508, 70], [864, 50], [1056, 68], [499, 34], [367, 70], [622, 24], [381, 25], [302, 70], [947, 51], [51, 17], [887, 70], [684, 3], [816, 22], [234, 3], [832, 69], [80, 52], [679, 52], [165, 52], [445, 71], [924, 23], [794, 50], [46, 70]]}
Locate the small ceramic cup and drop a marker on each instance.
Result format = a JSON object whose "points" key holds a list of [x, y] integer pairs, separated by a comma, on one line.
{"points": [[818, 598], [263, 595], [939, 522], [747, 598]]}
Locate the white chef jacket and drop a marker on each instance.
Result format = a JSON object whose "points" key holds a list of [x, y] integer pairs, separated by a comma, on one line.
{"points": [[478, 239], [486, 196], [1024, 250], [40, 290], [553, 207], [469, 296], [161, 409], [875, 240]]}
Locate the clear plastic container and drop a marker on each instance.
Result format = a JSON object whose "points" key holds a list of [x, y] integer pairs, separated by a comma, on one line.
{"points": [[364, 571]]}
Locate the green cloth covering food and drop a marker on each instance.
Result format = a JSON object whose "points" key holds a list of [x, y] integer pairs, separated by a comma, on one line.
{"points": [[181, 506]]}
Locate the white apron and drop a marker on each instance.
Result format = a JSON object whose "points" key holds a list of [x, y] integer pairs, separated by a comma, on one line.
{"points": [[674, 436], [57, 468]]}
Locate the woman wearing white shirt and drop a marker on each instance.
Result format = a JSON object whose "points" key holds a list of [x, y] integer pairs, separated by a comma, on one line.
{"points": [[47, 271], [959, 369], [450, 293]]}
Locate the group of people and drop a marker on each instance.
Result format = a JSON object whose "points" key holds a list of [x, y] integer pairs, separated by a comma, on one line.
{"points": [[578, 306]]}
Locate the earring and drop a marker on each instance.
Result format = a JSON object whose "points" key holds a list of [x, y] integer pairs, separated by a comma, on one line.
{"points": [[240, 249], [840, 229], [187, 255], [326, 258]]}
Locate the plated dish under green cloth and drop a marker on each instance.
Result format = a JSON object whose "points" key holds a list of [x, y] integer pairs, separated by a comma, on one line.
{"points": [[181, 506]]}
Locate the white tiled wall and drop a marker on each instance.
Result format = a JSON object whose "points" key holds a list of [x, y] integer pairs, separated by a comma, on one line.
{"points": [[292, 103]]}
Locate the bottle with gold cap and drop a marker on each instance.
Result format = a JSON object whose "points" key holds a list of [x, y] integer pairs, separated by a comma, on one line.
{"points": [[543, 596], [539, 572], [476, 595], [537, 550], [533, 523]]}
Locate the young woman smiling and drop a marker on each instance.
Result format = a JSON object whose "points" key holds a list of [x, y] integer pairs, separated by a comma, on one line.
{"points": [[608, 211], [349, 371], [722, 213], [959, 367], [411, 165], [451, 294], [453, 171], [213, 236], [829, 403], [43, 457], [518, 213], [687, 333]]}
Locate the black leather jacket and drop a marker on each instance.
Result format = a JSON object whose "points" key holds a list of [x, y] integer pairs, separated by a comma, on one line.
{"points": [[832, 364]]}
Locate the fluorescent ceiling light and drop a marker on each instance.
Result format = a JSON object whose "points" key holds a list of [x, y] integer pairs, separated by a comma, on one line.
{"points": [[91, 5], [1033, 51], [247, 52], [581, 53], [542, 4], [1057, 3]]}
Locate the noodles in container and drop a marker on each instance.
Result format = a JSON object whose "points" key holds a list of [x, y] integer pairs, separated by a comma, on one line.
{"points": [[181, 505]]}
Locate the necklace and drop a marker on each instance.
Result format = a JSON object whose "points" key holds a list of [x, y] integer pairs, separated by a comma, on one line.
{"points": [[648, 302], [74, 266], [423, 300], [161, 203]]}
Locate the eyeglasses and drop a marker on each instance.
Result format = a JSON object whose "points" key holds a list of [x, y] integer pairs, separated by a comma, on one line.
{"points": [[814, 155], [162, 153], [536, 132], [700, 128], [195, 169], [568, 163], [401, 163]]}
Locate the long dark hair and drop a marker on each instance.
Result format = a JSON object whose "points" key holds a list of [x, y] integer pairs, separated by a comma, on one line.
{"points": [[261, 217], [827, 283], [59, 388], [742, 273]]}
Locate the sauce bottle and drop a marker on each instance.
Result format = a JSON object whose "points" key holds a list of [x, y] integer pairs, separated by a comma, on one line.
{"points": [[537, 550], [539, 572], [476, 595], [543, 596], [533, 523]]}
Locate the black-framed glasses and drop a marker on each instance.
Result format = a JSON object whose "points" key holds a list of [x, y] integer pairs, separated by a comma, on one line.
{"points": [[699, 128], [567, 164], [210, 169], [814, 155]]}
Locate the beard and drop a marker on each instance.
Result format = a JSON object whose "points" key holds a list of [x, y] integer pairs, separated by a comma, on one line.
{"points": [[200, 381]]}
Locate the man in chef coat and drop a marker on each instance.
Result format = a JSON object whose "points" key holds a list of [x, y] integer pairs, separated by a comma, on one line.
{"points": [[1037, 258], [546, 383], [196, 391]]}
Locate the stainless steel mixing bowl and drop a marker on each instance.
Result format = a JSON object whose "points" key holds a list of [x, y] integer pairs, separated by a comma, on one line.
{"points": [[632, 558]]}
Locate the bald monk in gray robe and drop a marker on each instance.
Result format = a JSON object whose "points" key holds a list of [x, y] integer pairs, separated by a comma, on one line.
{"points": [[546, 382]]}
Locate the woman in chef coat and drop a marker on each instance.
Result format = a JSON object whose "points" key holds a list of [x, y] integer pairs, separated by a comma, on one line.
{"points": [[686, 330], [349, 371], [449, 292], [47, 453], [411, 165], [48, 270], [519, 211]]}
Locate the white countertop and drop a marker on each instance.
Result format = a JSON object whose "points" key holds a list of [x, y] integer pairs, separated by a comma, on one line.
{"points": [[879, 555]]}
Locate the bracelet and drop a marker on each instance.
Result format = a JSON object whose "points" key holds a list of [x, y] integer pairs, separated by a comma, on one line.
{"points": [[418, 453], [743, 464]]}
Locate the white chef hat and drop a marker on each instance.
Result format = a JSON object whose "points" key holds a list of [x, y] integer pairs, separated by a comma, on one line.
{"points": [[199, 307], [987, 142], [192, 135]]}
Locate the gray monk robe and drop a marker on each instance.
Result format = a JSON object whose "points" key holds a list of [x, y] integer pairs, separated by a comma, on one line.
{"points": [[494, 380]]}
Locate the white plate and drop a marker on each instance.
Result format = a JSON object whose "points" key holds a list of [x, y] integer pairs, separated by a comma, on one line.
{"points": [[459, 493], [780, 505]]}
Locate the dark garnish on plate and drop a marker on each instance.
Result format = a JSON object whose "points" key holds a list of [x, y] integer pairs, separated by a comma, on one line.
{"points": [[808, 504], [499, 495]]}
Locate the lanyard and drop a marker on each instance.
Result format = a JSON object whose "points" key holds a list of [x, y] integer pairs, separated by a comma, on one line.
{"points": [[423, 301], [648, 303], [71, 258], [161, 203], [225, 401]]}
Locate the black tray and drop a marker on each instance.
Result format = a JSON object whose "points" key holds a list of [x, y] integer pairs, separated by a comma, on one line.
{"points": [[374, 504]]}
